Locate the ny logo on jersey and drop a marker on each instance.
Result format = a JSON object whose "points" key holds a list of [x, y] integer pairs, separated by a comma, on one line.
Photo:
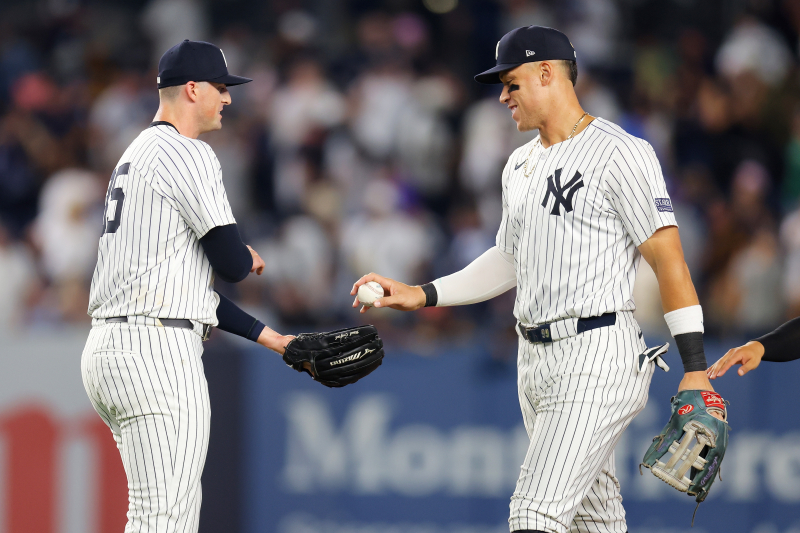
{"points": [[554, 186]]}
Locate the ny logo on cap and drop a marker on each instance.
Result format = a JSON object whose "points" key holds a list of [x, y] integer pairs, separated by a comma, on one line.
{"points": [[529, 53], [497, 50], [223, 57]]}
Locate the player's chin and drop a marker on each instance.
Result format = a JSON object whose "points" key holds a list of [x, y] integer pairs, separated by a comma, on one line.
{"points": [[522, 126]]}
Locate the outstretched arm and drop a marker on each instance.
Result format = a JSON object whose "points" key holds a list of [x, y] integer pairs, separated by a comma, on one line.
{"points": [[780, 345], [488, 276], [683, 314], [234, 320]]}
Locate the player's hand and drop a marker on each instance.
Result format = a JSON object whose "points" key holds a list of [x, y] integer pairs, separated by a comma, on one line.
{"points": [[749, 356], [398, 295], [697, 381], [274, 340], [258, 263]]}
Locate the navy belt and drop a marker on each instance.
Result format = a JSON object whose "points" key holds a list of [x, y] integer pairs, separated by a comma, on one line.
{"points": [[543, 333]]}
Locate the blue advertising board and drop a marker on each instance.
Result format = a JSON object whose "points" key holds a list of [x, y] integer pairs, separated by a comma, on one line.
{"points": [[434, 444]]}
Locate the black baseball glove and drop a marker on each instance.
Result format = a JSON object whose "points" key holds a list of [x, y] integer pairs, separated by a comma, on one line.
{"points": [[336, 358]]}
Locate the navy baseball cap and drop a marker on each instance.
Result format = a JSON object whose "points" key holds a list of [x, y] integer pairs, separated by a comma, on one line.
{"points": [[195, 61], [527, 45]]}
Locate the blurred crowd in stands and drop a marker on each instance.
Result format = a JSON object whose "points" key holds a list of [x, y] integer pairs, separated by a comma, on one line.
{"points": [[364, 145]]}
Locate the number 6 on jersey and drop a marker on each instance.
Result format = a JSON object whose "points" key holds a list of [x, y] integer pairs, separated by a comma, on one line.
{"points": [[114, 200]]}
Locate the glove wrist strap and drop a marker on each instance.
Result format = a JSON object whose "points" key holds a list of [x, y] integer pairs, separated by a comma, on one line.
{"points": [[431, 295]]}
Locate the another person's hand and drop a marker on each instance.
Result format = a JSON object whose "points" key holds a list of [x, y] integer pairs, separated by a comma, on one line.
{"points": [[398, 295], [697, 381], [749, 356], [258, 263]]}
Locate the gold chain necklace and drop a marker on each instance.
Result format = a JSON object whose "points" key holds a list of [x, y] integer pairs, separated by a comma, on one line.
{"points": [[574, 128]]}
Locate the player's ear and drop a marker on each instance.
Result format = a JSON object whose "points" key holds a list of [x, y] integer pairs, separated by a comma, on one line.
{"points": [[545, 72], [192, 89]]}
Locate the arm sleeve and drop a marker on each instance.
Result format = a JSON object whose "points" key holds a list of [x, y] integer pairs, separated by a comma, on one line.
{"points": [[488, 276], [191, 178], [228, 255], [783, 344], [636, 189], [234, 320]]}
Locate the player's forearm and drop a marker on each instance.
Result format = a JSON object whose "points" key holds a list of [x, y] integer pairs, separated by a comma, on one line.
{"points": [[488, 276], [675, 284], [234, 320], [782, 344], [683, 313], [684, 316], [663, 252]]}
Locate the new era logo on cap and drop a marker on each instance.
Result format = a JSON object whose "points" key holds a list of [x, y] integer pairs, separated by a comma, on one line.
{"points": [[529, 53]]}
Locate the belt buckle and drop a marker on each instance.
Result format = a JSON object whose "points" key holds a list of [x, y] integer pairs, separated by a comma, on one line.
{"points": [[206, 331], [537, 334], [543, 333]]}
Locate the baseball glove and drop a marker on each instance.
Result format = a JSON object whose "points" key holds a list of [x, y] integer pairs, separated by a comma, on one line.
{"points": [[697, 441], [336, 358]]}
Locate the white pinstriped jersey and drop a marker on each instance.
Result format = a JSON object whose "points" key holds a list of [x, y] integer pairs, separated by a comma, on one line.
{"points": [[164, 195], [574, 222]]}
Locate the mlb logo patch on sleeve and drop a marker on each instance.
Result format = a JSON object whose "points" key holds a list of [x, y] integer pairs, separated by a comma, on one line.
{"points": [[664, 204]]}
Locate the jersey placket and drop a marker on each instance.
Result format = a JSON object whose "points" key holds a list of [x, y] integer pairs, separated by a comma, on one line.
{"points": [[528, 231]]}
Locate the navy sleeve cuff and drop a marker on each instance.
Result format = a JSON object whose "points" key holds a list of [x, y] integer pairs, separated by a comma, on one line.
{"points": [[783, 344], [233, 320]]}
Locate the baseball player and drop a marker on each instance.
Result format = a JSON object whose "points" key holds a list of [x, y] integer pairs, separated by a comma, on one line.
{"points": [[168, 232], [780, 346], [582, 203]]}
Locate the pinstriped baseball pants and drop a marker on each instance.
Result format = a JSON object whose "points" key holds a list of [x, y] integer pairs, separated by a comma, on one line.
{"points": [[577, 397], [147, 383]]}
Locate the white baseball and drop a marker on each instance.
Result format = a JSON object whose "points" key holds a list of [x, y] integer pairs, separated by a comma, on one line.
{"points": [[369, 292]]}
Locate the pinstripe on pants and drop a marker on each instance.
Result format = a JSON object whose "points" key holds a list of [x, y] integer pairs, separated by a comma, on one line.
{"points": [[577, 397], [148, 385]]}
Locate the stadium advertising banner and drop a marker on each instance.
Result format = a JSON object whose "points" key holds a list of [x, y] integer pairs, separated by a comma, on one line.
{"points": [[423, 445], [60, 471], [434, 444]]}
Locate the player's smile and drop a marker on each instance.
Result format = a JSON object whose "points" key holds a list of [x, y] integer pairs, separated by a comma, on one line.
{"points": [[513, 109]]}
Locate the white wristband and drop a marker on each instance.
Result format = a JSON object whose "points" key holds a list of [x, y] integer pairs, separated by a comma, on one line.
{"points": [[685, 320]]}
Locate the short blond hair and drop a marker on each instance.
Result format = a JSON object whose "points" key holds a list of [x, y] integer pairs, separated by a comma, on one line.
{"points": [[170, 93]]}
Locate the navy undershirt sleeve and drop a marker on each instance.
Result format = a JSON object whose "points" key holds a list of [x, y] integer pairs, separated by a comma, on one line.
{"points": [[234, 320], [783, 344], [228, 255]]}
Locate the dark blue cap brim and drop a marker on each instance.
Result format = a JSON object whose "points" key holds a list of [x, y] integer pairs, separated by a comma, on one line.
{"points": [[230, 80], [493, 74]]}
